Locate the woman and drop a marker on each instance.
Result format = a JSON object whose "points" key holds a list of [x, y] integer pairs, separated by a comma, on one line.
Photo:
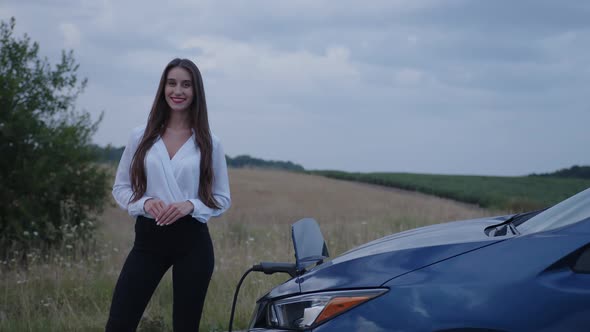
{"points": [[173, 178]]}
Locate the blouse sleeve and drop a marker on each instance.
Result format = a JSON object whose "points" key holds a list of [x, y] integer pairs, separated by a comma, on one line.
{"points": [[220, 188], [122, 191]]}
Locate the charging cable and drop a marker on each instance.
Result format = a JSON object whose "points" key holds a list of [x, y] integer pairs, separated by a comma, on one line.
{"points": [[267, 268]]}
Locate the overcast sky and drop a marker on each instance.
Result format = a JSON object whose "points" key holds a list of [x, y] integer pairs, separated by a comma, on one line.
{"points": [[446, 87]]}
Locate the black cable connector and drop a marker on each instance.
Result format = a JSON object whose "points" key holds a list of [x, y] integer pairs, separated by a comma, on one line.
{"points": [[271, 268]]}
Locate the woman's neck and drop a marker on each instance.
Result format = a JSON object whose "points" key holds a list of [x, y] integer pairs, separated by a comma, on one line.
{"points": [[178, 121]]}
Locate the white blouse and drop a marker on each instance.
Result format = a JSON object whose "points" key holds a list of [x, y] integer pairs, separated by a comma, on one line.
{"points": [[172, 180]]}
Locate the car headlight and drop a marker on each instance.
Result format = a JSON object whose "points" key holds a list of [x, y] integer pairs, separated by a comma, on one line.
{"points": [[305, 311]]}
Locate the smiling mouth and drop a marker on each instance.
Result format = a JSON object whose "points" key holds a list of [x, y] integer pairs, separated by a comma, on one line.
{"points": [[177, 100]]}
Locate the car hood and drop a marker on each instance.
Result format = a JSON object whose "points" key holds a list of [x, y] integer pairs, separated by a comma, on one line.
{"points": [[375, 263]]}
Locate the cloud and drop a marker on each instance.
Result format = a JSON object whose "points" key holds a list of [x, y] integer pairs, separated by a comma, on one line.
{"points": [[265, 75], [235, 58], [71, 35]]}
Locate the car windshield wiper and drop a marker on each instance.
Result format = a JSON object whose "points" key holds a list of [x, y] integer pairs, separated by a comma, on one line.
{"points": [[503, 228], [512, 227]]}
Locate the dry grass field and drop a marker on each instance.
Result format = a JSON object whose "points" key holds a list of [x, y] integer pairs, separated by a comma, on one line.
{"points": [[68, 290]]}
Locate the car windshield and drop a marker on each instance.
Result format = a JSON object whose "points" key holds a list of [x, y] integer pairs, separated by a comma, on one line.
{"points": [[572, 210]]}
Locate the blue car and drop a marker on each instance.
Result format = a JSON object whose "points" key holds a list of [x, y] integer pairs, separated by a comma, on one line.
{"points": [[524, 272]]}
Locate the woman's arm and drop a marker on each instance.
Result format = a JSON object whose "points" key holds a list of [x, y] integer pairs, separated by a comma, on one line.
{"points": [[122, 191], [220, 188]]}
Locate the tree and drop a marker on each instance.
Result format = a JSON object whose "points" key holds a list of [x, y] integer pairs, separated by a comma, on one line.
{"points": [[48, 180]]}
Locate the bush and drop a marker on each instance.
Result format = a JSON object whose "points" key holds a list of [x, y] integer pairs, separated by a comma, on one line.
{"points": [[48, 178]]}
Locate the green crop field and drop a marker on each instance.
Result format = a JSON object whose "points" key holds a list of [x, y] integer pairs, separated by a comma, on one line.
{"points": [[520, 193]]}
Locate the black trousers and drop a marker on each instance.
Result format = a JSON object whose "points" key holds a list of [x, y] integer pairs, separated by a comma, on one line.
{"points": [[184, 245]]}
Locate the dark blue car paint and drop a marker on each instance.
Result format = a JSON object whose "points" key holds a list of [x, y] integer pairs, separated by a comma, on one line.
{"points": [[475, 290], [378, 261], [460, 280]]}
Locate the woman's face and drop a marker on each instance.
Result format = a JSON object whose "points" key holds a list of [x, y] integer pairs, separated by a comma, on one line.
{"points": [[179, 89]]}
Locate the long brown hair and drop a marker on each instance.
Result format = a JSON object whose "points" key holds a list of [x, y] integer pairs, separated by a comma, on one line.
{"points": [[156, 125]]}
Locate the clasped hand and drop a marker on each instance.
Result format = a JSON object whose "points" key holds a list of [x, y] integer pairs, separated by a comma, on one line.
{"points": [[167, 214]]}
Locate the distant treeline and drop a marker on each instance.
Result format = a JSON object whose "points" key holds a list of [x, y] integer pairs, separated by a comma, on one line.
{"points": [[247, 161], [110, 154], [580, 172]]}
